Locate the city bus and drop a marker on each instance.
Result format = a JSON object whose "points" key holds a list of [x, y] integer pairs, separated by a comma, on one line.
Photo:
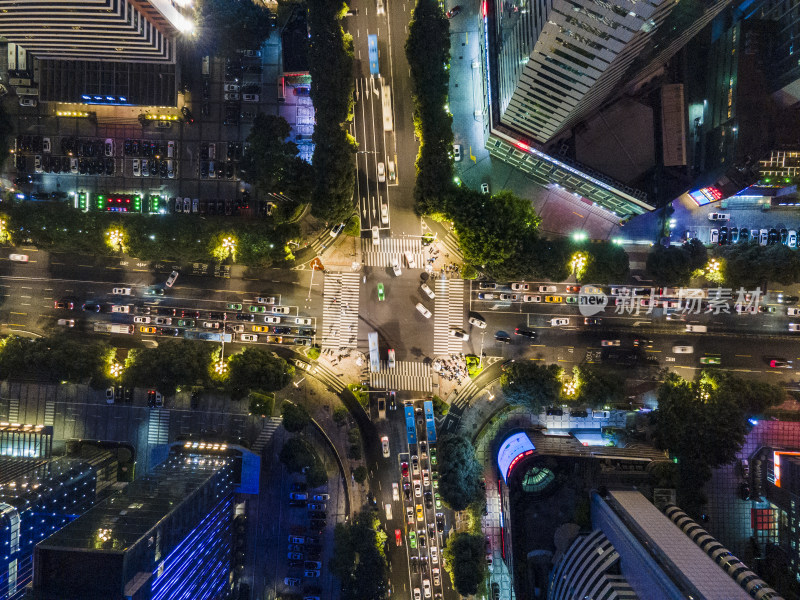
{"points": [[374, 357], [372, 40], [388, 121]]}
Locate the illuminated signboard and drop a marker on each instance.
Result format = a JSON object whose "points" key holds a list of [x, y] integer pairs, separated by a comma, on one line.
{"points": [[776, 459], [706, 195], [119, 203], [512, 451]]}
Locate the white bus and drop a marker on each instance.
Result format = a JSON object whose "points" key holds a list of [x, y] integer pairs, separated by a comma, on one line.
{"points": [[388, 121], [374, 357]]}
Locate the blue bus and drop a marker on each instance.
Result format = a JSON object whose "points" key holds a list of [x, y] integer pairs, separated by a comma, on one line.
{"points": [[373, 54], [411, 428], [430, 423]]}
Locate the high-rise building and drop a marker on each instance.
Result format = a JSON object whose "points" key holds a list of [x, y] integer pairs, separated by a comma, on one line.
{"points": [[636, 551], [38, 496], [96, 30], [558, 61], [168, 535]]}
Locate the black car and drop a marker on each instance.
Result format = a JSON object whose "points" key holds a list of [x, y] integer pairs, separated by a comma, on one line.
{"points": [[127, 147], [299, 487], [190, 314], [166, 312], [554, 412], [109, 166], [318, 514], [229, 170], [428, 500], [297, 503], [187, 115], [21, 163], [504, 339], [282, 330], [46, 162], [91, 307], [23, 179], [154, 167], [414, 564], [723, 236], [169, 331], [83, 166], [163, 169], [576, 412], [216, 315], [204, 169], [525, 332], [135, 147], [295, 563], [773, 237], [744, 234], [247, 317], [784, 235], [440, 522]]}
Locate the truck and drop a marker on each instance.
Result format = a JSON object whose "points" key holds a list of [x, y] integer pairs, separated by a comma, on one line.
{"points": [[206, 66], [113, 328], [211, 336]]}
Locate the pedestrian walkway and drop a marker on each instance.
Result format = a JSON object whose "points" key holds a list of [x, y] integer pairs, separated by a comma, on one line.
{"points": [[340, 312], [448, 313], [158, 426], [392, 248], [405, 376], [266, 433]]}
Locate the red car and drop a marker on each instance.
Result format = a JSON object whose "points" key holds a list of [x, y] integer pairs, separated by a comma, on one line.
{"points": [[398, 537], [404, 469], [573, 289]]}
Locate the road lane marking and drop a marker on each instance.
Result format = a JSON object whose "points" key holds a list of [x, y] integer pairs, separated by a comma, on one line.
{"points": [[18, 313], [743, 355]]}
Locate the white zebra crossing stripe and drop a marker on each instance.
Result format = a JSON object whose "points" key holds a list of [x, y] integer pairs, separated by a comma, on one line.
{"points": [[405, 376], [392, 248], [449, 314], [340, 318]]}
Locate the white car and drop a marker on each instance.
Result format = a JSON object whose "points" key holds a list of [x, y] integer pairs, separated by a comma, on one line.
{"points": [[519, 287], [794, 326], [713, 236], [73, 166], [208, 324], [283, 310], [302, 321], [266, 300], [121, 291], [384, 213], [109, 147], [248, 337], [37, 163], [791, 240], [426, 587], [396, 268], [385, 446], [417, 489], [381, 172], [424, 287], [171, 279], [410, 260], [461, 335], [391, 359], [163, 321], [435, 561], [66, 322], [144, 320], [137, 167], [457, 152], [793, 312], [395, 491], [683, 349], [376, 235], [606, 343], [337, 229], [559, 322], [120, 308], [28, 101], [484, 188], [529, 298], [272, 319], [301, 364], [547, 289], [423, 311], [479, 323], [417, 594], [18, 257]]}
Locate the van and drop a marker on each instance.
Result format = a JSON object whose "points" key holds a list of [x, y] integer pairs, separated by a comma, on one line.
{"points": [[719, 216], [696, 328], [122, 329]]}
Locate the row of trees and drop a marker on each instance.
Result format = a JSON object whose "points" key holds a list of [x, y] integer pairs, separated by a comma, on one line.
{"points": [[166, 367], [674, 265], [428, 53], [359, 560], [57, 226], [332, 85], [704, 422], [537, 386], [225, 26], [300, 457]]}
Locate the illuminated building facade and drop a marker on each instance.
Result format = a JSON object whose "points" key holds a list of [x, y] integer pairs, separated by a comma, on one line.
{"points": [[39, 496], [168, 535], [30, 441]]}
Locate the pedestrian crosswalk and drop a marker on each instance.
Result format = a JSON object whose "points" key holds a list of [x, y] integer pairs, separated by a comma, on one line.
{"points": [[265, 435], [158, 426], [340, 312], [389, 248], [321, 242], [448, 313], [13, 410], [405, 376], [49, 412]]}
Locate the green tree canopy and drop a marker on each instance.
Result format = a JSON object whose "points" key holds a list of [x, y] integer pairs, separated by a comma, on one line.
{"points": [[271, 163], [295, 417], [459, 472], [532, 385], [598, 387], [257, 369], [465, 560], [227, 25], [359, 560], [261, 404], [669, 266], [297, 454], [607, 263], [169, 365], [58, 357]]}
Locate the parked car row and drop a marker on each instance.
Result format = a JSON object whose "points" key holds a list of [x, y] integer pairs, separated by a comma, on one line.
{"points": [[764, 237], [216, 170], [153, 167], [150, 148], [46, 163], [304, 551]]}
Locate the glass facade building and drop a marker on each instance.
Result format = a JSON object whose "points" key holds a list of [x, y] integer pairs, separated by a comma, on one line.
{"points": [[168, 535], [37, 498]]}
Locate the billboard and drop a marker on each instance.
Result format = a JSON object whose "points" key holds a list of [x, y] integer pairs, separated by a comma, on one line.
{"points": [[512, 451], [706, 195]]}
